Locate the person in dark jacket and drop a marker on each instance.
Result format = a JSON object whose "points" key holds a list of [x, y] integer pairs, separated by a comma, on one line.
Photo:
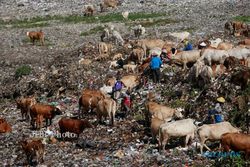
{"points": [[155, 65]]}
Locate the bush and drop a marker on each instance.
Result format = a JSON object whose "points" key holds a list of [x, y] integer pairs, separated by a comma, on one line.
{"points": [[23, 70]]}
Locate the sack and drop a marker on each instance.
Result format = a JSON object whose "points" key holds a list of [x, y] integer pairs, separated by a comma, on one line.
{"points": [[118, 85]]}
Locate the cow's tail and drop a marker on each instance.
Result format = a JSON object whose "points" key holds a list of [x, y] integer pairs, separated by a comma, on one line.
{"points": [[80, 107], [160, 139], [113, 109]]}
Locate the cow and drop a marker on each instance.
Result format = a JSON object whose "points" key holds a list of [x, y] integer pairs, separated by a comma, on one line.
{"points": [[214, 132], [24, 105], [160, 111], [147, 44], [185, 127], [34, 151], [214, 55], [236, 142], [117, 56], [47, 111], [33, 35], [238, 26], [241, 78], [224, 46], [139, 30], [137, 55], [117, 38], [106, 108], [108, 3], [89, 10], [73, 125], [229, 28], [105, 34], [89, 100], [240, 53], [4, 126], [187, 56], [104, 48], [130, 68], [131, 81]]}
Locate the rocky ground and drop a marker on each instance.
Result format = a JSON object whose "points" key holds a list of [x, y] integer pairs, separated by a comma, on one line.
{"points": [[55, 66]]}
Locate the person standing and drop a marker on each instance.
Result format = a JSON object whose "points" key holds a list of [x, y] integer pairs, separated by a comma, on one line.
{"points": [[155, 65]]}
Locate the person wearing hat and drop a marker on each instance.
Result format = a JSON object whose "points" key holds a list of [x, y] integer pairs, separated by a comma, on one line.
{"points": [[188, 45], [215, 115], [155, 65]]}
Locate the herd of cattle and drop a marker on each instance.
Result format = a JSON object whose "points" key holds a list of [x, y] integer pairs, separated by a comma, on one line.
{"points": [[215, 59]]}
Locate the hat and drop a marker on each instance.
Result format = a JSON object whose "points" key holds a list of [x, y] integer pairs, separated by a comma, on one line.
{"points": [[221, 100], [203, 44]]}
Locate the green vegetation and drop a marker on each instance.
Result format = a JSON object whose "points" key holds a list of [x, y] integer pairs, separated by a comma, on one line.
{"points": [[92, 31], [23, 70], [231, 162], [111, 17], [243, 18]]}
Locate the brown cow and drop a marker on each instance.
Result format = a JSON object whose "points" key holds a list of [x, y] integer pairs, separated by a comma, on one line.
{"points": [[106, 108], [33, 35], [89, 100], [47, 111], [24, 105], [4, 126], [73, 125], [108, 3], [33, 149], [236, 142], [137, 55], [241, 78], [89, 10]]}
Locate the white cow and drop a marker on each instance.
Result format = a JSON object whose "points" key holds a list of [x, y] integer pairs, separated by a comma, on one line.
{"points": [[214, 55], [214, 132], [185, 127]]}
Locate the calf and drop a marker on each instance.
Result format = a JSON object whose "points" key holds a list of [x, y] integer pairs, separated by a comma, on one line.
{"points": [[214, 132], [236, 142], [185, 127], [33, 35], [34, 150], [73, 125], [24, 105], [46, 111], [4, 126], [106, 108]]}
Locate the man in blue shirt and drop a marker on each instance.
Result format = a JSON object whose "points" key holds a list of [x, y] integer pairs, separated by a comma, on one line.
{"points": [[155, 65]]}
